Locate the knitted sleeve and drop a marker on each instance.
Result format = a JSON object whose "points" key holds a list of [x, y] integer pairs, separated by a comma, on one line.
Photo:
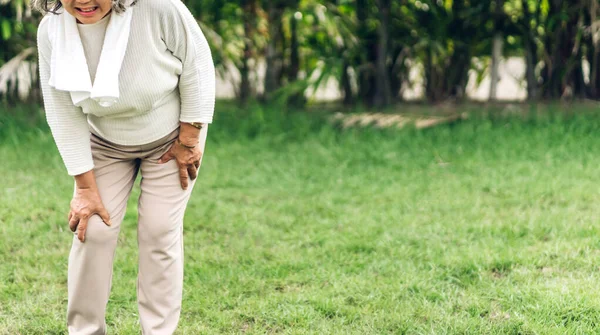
{"points": [[184, 38], [67, 122]]}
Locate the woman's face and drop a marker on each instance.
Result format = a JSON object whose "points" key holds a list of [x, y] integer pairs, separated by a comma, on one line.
{"points": [[87, 11]]}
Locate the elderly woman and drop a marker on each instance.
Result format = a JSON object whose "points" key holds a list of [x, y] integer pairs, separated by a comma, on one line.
{"points": [[128, 87]]}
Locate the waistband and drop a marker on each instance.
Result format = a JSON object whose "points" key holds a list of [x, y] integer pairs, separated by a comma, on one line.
{"points": [[140, 147]]}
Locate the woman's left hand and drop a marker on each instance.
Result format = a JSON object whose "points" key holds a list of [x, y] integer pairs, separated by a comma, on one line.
{"points": [[188, 160]]}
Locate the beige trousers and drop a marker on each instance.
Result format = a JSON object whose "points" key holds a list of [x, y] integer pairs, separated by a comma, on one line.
{"points": [[161, 209]]}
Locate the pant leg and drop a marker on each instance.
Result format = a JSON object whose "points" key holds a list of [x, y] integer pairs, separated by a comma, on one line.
{"points": [[161, 209], [91, 262]]}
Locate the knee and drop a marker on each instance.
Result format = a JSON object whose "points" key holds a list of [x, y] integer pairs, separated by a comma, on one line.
{"points": [[98, 232], [159, 229]]}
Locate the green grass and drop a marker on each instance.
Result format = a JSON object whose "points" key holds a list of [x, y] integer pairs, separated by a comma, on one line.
{"points": [[296, 227]]}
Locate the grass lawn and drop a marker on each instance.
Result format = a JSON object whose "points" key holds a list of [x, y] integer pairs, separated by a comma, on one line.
{"points": [[489, 226]]}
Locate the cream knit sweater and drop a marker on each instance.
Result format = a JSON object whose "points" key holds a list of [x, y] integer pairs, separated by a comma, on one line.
{"points": [[167, 76]]}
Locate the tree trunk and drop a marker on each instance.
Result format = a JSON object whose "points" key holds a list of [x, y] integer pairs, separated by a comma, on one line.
{"points": [[593, 54], [531, 59], [383, 91], [368, 54], [578, 76], [398, 73], [497, 45], [579, 87], [594, 59], [345, 84], [273, 59], [294, 68], [296, 98], [562, 58], [434, 89], [496, 58], [458, 70], [249, 15], [457, 67]]}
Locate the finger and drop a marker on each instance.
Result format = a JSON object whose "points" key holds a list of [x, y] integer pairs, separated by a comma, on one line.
{"points": [[105, 216], [183, 176], [166, 157], [73, 222], [197, 164], [81, 228], [192, 171], [70, 215]]}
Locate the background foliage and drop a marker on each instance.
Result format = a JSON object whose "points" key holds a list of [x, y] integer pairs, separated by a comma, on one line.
{"points": [[277, 50]]}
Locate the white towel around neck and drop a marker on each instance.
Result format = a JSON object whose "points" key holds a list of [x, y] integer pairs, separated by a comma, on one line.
{"points": [[68, 65]]}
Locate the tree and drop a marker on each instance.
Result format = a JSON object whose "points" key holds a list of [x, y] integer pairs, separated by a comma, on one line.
{"points": [[367, 46], [497, 44], [383, 91]]}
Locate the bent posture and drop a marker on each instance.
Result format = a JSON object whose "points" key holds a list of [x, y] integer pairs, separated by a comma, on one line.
{"points": [[128, 88]]}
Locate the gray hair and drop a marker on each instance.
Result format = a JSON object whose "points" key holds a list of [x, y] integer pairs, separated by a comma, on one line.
{"points": [[52, 6]]}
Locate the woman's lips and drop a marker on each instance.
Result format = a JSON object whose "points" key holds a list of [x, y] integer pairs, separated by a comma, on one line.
{"points": [[87, 11]]}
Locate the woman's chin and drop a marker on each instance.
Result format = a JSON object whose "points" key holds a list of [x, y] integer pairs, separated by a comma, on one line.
{"points": [[90, 17], [87, 19]]}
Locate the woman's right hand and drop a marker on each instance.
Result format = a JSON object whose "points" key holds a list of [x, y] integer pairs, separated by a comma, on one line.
{"points": [[86, 202]]}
